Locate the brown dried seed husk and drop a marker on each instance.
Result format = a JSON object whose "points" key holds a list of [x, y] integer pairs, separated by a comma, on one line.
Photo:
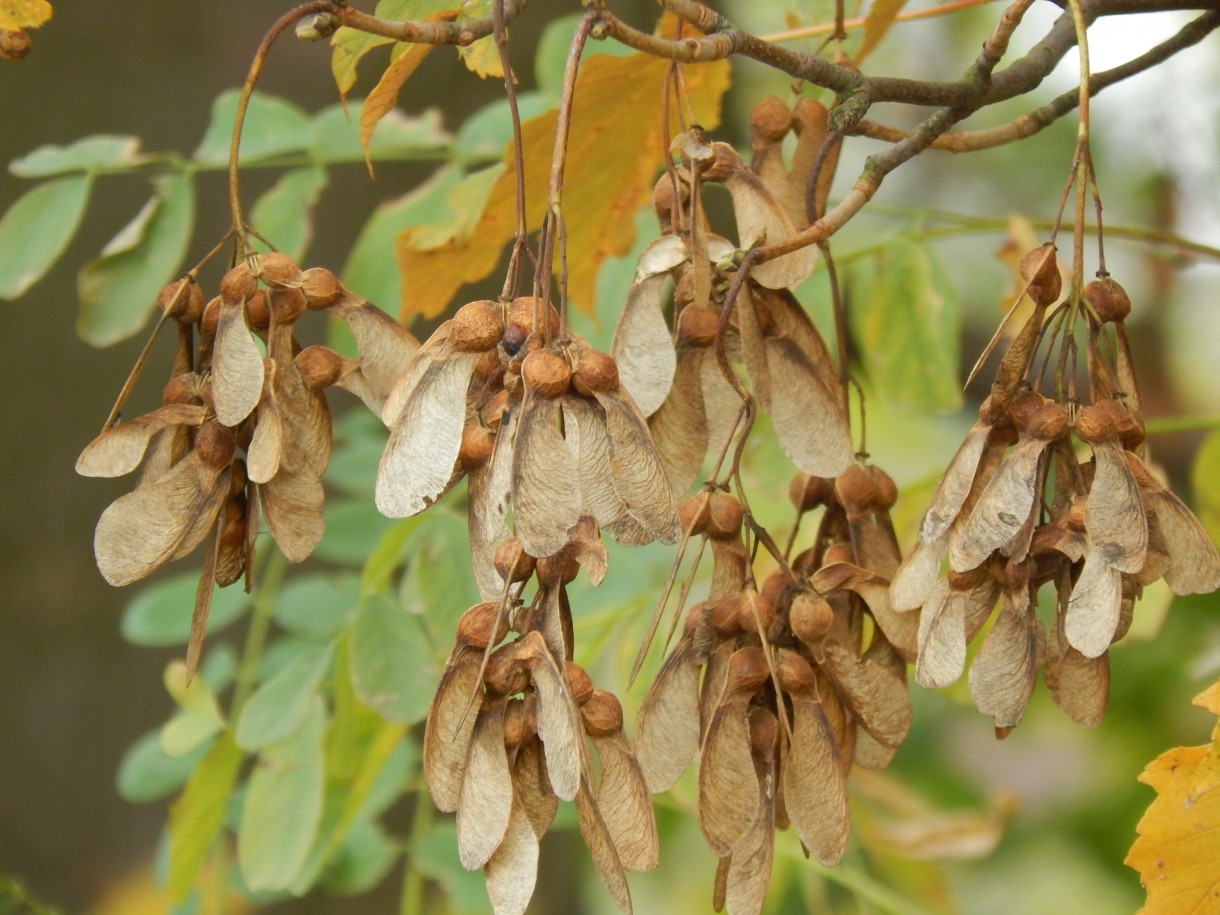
{"points": [[601, 848], [267, 444], [558, 720], [292, 503], [728, 785], [876, 697], [942, 638], [488, 495], [545, 488], [237, 367], [276, 269], [1092, 616], [642, 348], [184, 306], [148, 527], [679, 427], [1114, 514], [486, 798], [810, 120], [534, 786], [1078, 684], [1002, 509], [585, 433], [1002, 674], [449, 725], [385, 346], [546, 373], [749, 868], [512, 562], [815, 787], [422, 452], [232, 549], [622, 798], [477, 326], [120, 448], [667, 726], [321, 287], [512, 870], [1194, 564]]}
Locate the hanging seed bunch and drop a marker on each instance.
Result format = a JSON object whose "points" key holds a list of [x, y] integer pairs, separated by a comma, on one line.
{"points": [[514, 726], [779, 690], [238, 434], [676, 375], [1018, 507], [539, 423]]}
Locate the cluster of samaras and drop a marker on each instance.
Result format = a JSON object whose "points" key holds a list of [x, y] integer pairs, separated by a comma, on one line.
{"points": [[1021, 505], [238, 434]]}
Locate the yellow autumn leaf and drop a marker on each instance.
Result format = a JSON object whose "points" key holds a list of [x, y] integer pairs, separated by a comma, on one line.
{"points": [[881, 15], [615, 150], [482, 57], [1177, 853], [405, 60], [16, 15]]}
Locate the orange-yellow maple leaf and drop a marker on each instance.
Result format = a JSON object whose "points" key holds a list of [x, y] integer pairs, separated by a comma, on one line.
{"points": [[23, 14], [615, 150], [1177, 853]]}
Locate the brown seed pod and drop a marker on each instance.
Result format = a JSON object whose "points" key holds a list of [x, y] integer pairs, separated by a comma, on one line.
{"points": [[855, 488], [770, 119], [182, 388], [579, 685], [519, 723], [807, 492], [277, 269], [747, 669], [319, 366], [697, 325], [1040, 268], [209, 319], [1038, 416], [1109, 300], [476, 447], [184, 305], [1101, 421], [774, 586], [693, 512], [602, 714], [257, 312], [321, 287], [546, 373], [725, 615], [754, 610], [512, 562], [475, 626], [795, 673], [505, 674], [489, 366], [493, 410], [663, 197], [477, 326], [560, 569], [288, 304], [238, 284], [522, 311], [595, 373], [810, 616], [215, 444], [725, 515], [838, 552], [14, 44]]}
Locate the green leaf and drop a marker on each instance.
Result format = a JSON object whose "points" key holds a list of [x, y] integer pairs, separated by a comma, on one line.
{"points": [[147, 773], [392, 666], [371, 271], [199, 718], [907, 328], [85, 155], [284, 214], [316, 606], [387, 556], [440, 575], [195, 818], [435, 856], [1205, 478], [363, 858], [119, 289], [283, 806], [336, 137], [353, 530], [36, 230], [273, 127], [160, 615], [277, 709]]}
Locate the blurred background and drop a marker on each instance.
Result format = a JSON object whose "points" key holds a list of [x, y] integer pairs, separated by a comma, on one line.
{"points": [[74, 695]]}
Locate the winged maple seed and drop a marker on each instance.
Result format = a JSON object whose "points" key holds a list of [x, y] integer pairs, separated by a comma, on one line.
{"points": [[1017, 509], [238, 436]]}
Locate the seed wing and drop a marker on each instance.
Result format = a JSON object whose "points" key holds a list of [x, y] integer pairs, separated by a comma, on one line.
{"points": [[385, 346], [642, 346], [679, 427], [815, 790], [1002, 675], [636, 470], [1114, 515], [546, 484], [292, 503], [120, 448], [237, 367], [512, 870], [667, 728], [448, 728], [622, 798], [1094, 607], [486, 800]]}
